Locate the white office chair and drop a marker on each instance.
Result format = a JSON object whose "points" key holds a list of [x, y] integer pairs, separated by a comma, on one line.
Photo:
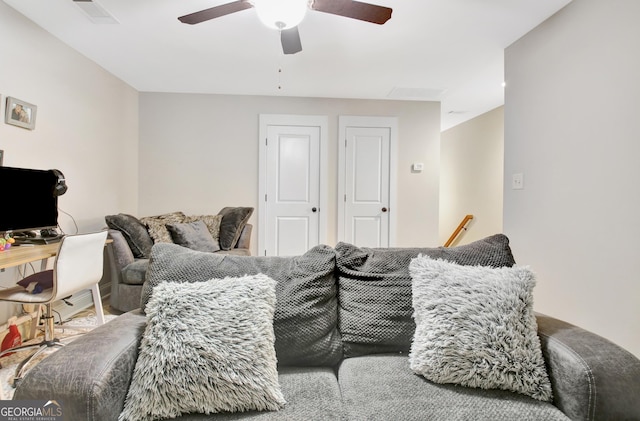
{"points": [[78, 266]]}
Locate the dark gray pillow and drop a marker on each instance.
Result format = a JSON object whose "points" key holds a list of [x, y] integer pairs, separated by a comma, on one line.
{"points": [[194, 235], [133, 231], [233, 222], [306, 317], [374, 290], [211, 221]]}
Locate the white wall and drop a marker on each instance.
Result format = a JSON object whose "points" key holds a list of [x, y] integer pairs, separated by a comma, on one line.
{"points": [[471, 175], [572, 126], [199, 153], [86, 125]]}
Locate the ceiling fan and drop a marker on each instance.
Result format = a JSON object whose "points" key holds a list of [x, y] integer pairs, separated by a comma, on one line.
{"points": [[289, 35]]}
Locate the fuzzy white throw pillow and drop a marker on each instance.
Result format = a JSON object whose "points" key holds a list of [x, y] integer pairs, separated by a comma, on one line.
{"points": [[208, 347], [475, 327]]}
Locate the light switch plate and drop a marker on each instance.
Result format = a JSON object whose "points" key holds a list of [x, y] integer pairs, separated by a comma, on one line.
{"points": [[517, 182]]}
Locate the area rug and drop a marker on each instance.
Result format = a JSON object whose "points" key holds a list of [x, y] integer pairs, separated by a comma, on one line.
{"points": [[70, 330]]}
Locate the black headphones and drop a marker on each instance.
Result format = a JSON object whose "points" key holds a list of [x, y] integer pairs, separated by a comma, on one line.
{"points": [[61, 186]]}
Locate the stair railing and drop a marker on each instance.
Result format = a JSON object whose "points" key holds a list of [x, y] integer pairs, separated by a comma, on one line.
{"points": [[456, 233]]}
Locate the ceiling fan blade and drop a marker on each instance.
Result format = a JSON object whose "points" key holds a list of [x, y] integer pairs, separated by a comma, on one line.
{"points": [[354, 9], [215, 12], [290, 39]]}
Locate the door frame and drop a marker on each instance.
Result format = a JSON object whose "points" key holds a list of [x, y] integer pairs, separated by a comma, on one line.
{"points": [[391, 123], [266, 120]]}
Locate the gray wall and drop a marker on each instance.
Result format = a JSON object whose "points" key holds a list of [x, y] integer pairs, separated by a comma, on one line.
{"points": [[199, 153], [572, 126]]}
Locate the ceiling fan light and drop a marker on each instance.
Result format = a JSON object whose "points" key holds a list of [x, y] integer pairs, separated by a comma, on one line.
{"points": [[281, 14]]}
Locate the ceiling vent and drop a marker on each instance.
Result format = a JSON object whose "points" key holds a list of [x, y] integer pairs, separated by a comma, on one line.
{"points": [[95, 12]]}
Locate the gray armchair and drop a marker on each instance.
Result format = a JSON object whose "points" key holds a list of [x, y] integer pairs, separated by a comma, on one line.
{"points": [[127, 273]]}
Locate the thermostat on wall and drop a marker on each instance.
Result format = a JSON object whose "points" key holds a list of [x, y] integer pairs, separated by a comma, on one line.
{"points": [[417, 167]]}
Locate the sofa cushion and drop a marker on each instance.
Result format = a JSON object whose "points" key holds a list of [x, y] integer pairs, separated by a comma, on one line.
{"points": [[134, 231], [312, 393], [157, 225], [212, 222], [194, 235], [305, 322], [475, 326], [233, 221], [374, 290], [207, 348], [135, 273], [382, 387]]}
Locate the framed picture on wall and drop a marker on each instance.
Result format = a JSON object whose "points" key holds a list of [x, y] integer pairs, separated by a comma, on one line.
{"points": [[20, 113]]}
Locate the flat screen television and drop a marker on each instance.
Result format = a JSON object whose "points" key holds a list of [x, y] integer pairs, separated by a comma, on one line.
{"points": [[28, 201]]}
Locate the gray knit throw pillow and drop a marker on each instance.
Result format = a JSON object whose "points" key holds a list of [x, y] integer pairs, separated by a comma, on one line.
{"points": [[375, 290], [475, 327], [207, 348], [306, 318]]}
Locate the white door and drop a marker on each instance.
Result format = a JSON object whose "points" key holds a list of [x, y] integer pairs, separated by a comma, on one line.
{"points": [[367, 200], [291, 180]]}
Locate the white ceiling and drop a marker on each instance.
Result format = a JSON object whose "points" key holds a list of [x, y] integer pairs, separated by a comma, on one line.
{"points": [[434, 50]]}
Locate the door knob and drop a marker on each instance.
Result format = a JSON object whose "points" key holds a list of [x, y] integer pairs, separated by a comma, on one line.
{"points": [[384, 209], [314, 209]]}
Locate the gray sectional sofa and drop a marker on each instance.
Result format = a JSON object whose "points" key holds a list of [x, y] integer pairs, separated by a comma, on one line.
{"points": [[127, 254], [343, 325]]}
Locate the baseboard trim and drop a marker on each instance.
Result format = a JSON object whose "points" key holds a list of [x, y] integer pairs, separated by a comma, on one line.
{"points": [[81, 301]]}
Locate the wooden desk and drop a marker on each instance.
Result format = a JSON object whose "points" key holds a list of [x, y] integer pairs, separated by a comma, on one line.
{"points": [[20, 255]]}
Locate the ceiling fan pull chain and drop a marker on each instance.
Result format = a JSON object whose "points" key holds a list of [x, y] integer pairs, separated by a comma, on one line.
{"points": [[280, 56]]}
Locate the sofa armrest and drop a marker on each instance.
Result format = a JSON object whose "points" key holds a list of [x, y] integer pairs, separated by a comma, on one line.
{"points": [[91, 375], [592, 378], [118, 255], [122, 254], [244, 242]]}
